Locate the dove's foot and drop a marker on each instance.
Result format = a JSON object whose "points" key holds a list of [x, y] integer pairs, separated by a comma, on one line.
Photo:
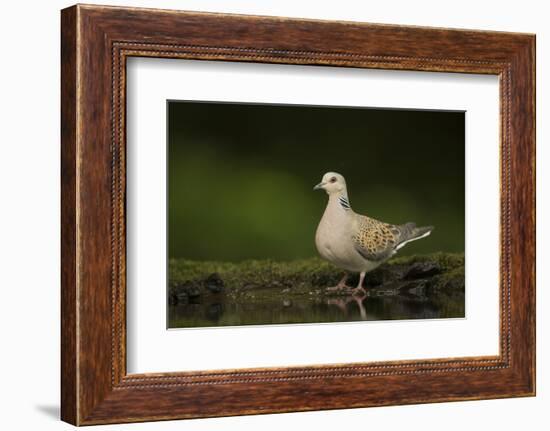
{"points": [[359, 291], [341, 286]]}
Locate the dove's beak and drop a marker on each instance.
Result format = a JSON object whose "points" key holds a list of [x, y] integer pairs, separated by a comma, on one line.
{"points": [[319, 186]]}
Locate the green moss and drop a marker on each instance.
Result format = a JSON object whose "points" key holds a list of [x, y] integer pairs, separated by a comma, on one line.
{"points": [[263, 279], [447, 261], [254, 273]]}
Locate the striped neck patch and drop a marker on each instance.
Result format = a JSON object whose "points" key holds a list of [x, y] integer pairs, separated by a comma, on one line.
{"points": [[344, 202]]}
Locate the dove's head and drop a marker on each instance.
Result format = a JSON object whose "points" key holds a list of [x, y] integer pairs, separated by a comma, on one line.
{"points": [[332, 182]]}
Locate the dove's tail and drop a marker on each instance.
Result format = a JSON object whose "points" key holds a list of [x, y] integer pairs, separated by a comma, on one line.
{"points": [[409, 232]]}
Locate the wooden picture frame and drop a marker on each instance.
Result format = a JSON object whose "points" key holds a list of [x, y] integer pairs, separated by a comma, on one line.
{"points": [[95, 43]]}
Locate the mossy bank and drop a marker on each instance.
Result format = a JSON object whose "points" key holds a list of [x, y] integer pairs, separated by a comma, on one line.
{"points": [[254, 280]]}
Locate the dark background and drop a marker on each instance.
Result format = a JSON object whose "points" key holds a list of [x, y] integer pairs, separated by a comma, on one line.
{"points": [[240, 177]]}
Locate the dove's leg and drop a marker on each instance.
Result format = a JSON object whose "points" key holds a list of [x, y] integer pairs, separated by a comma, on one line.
{"points": [[359, 290], [340, 286]]}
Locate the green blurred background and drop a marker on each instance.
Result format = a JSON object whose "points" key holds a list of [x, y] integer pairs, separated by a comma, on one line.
{"points": [[240, 177]]}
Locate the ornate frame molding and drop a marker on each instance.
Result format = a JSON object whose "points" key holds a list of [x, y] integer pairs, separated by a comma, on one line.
{"points": [[96, 41]]}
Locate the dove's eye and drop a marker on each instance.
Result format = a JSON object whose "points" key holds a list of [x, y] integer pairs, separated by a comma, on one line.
{"points": [[333, 180]]}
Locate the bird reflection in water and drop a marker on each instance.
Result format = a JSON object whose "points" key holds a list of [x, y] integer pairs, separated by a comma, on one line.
{"points": [[342, 304], [375, 305]]}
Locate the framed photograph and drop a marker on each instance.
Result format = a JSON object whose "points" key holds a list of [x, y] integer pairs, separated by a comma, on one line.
{"points": [[264, 214], [250, 257]]}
